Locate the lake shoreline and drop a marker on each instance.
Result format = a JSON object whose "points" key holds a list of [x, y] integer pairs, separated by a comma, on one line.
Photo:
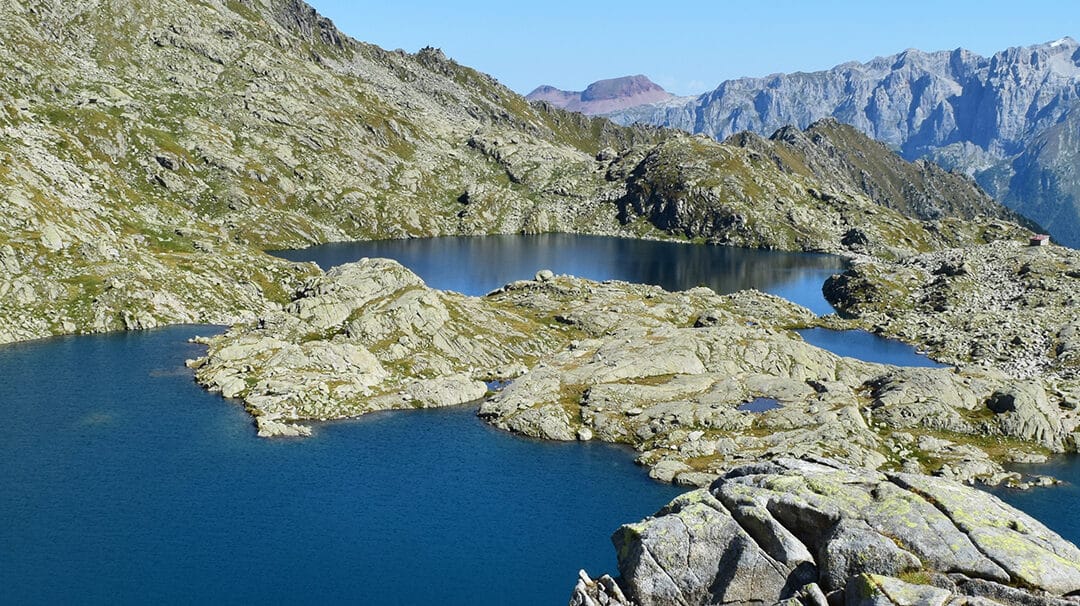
{"points": [[372, 335], [613, 354]]}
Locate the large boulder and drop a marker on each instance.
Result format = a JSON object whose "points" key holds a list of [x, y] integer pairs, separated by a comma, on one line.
{"points": [[792, 530], [1023, 411], [673, 558], [852, 548]]}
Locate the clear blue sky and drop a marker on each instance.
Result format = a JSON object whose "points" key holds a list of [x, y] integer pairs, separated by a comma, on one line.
{"points": [[691, 46]]}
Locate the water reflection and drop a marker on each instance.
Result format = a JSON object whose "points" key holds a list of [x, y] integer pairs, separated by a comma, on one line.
{"points": [[476, 265]]}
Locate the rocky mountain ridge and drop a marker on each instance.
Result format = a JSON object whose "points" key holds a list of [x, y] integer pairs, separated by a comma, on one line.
{"points": [[984, 116], [603, 96], [853, 163], [149, 153]]}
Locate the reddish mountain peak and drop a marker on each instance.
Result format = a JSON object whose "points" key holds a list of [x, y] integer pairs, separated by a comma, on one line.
{"points": [[604, 96], [617, 88]]}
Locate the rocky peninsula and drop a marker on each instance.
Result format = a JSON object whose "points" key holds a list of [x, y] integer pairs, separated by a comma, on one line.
{"points": [[663, 372], [1002, 306]]}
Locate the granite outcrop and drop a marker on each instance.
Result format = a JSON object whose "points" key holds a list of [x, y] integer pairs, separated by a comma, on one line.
{"points": [[667, 373], [816, 532]]}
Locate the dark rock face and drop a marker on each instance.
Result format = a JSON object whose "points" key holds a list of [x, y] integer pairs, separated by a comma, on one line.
{"points": [[603, 96], [1009, 119], [810, 531], [304, 20], [678, 187], [1044, 180], [853, 163]]}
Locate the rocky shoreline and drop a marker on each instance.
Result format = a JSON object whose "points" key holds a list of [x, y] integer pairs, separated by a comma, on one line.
{"points": [[1001, 306], [663, 372], [851, 487]]}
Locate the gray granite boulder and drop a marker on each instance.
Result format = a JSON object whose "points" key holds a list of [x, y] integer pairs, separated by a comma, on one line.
{"points": [[790, 531]]}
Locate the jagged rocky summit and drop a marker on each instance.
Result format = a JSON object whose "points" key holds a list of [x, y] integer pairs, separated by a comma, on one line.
{"points": [[603, 96], [816, 532], [1008, 119]]}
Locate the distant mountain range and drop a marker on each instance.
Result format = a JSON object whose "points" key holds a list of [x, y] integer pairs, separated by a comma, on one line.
{"points": [[1010, 120], [603, 96]]}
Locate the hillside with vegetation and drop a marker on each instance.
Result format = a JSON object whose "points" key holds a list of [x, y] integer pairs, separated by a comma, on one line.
{"points": [[152, 151]]}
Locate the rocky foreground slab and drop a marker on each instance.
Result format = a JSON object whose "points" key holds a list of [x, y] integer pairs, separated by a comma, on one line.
{"points": [[819, 532]]}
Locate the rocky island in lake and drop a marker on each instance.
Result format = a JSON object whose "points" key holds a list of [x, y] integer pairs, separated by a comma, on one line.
{"points": [[151, 155], [664, 372]]}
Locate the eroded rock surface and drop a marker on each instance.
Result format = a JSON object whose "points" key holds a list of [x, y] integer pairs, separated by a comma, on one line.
{"points": [[1007, 305], [1002, 307], [663, 372], [815, 531]]}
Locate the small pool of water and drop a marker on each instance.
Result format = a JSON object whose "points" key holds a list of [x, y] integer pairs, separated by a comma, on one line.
{"points": [[478, 265], [862, 345], [759, 405]]}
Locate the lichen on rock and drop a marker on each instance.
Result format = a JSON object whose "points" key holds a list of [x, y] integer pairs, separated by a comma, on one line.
{"points": [[804, 530]]}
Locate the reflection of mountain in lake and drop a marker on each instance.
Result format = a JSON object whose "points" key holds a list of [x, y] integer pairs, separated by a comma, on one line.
{"points": [[478, 265]]}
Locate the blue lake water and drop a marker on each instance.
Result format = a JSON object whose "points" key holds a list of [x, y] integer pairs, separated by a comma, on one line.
{"points": [[1054, 506], [124, 482], [478, 265], [867, 346], [475, 266]]}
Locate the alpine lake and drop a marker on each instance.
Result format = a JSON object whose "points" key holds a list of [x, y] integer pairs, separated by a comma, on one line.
{"points": [[125, 482]]}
